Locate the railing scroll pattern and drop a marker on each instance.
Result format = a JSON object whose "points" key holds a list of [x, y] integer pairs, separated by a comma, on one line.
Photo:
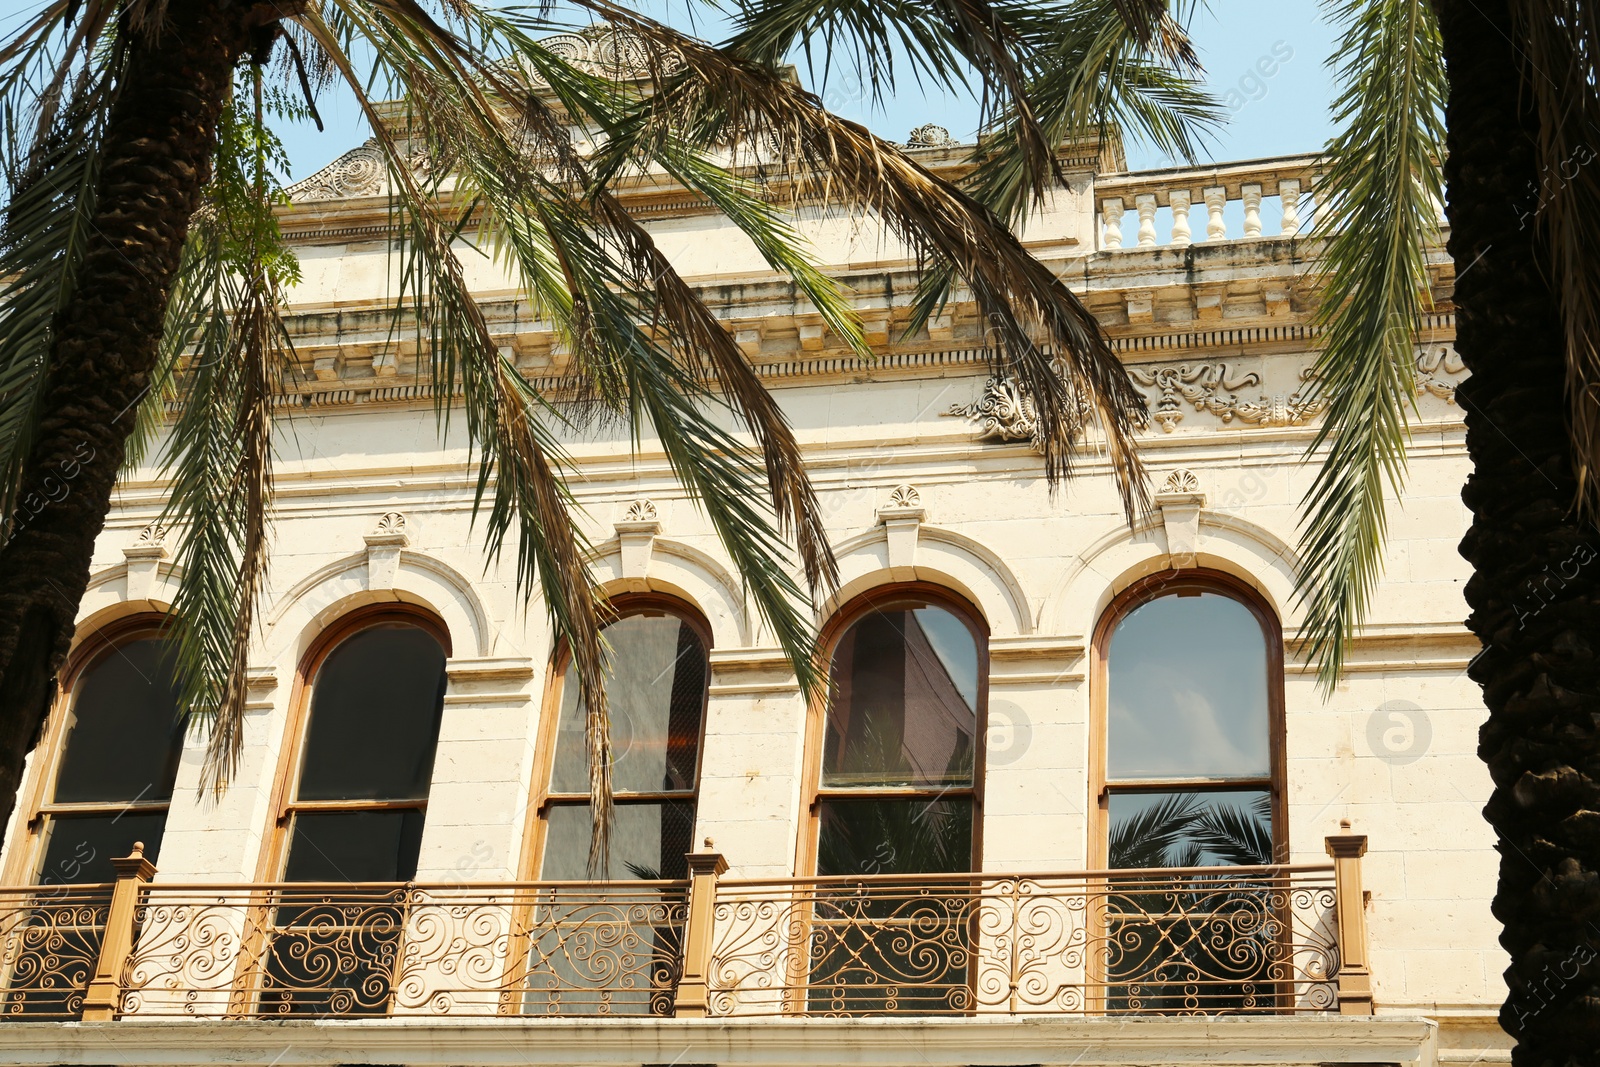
{"points": [[50, 938]]}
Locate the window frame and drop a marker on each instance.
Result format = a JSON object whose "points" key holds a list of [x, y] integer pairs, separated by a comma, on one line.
{"points": [[291, 757], [29, 839], [537, 831], [1142, 592], [877, 599]]}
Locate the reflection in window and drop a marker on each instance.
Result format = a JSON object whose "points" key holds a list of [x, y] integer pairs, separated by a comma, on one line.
{"points": [[1188, 737], [1189, 780], [356, 815], [896, 795], [656, 678], [113, 782]]}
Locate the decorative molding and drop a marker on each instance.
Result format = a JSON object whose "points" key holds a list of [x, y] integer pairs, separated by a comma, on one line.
{"points": [[636, 537], [1180, 501], [360, 172], [902, 521], [930, 135], [144, 558], [384, 543]]}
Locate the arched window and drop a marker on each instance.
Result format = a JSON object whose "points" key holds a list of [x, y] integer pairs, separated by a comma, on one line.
{"points": [[898, 765], [353, 793], [1189, 695], [116, 758], [656, 684], [356, 785]]}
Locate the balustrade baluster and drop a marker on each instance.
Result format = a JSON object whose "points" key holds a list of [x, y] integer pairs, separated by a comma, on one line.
{"points": [[1250, 193], [1289, 193], [1181, 234], [1216, 200], [1111, 212], [1146, 203]]}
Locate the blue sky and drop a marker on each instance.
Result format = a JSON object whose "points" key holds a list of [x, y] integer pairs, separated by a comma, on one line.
{"points": [[1283, 114]]}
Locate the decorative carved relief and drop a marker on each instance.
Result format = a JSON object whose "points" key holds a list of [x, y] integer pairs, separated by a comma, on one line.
{"points": [[1211, 387], [1439, 360], [905, 496], [392, 524], [929, 135], [1003, 413], [359, 172], [1206, 386], [608, 51], [641, 510], [1182, 480], [153, 535]]}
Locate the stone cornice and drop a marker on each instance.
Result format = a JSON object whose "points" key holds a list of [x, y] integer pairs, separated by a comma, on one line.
{"points": [[1287, 1041]]}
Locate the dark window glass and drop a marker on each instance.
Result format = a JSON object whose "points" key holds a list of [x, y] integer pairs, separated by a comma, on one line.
{"points": [[904, 701], [1187, 691], [656, 686], [649, 840], [81, 847], [894, 836], [374, 723], [354, 846], [126, 738]]}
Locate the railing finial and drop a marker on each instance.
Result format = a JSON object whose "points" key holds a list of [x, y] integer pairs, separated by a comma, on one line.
{"points": [[104, 996]]}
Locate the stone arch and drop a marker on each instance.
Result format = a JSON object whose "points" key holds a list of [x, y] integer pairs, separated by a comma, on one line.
{"points": [[1121, 557], [689, 574], [299, 615], [944, 558]]}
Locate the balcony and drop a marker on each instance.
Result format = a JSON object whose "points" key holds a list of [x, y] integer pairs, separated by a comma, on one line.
{"points": [[1205, 941]]}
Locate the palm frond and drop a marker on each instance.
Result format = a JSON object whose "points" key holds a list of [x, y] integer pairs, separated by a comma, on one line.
{"points": [[1380, 194], [50, 156], [1560, 38], [1238, 835], [1149, 837], [714, 98]]}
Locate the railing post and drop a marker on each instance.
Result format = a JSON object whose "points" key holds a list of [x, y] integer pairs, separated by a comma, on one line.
{"points": [[1355, 974], [104, 995], [694, 986], [1111, 213]]}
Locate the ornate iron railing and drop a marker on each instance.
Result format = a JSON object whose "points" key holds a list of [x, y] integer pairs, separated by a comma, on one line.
{"points": [[50, 939], [1208, 940], [1202, 941]]}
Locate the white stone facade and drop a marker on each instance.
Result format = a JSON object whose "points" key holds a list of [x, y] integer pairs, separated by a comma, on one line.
{"points": [[374, 507]]}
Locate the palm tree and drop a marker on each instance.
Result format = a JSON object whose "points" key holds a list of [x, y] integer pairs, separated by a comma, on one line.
{"points": [[142, 266]]}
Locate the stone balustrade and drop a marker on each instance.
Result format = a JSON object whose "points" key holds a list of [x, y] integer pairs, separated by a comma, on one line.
{"points": [[1193, 202]]}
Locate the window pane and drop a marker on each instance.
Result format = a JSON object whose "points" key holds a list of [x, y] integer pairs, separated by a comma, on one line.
{"points": [[1187, 691], [375, 709], [125, 741], [656, 684], [894, 836], [903, 701], [354, 846], [1190, 829], [81, 847], [648, 841]]}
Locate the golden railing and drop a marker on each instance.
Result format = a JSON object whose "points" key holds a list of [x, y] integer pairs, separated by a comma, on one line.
{"points": [[1206, 940]]}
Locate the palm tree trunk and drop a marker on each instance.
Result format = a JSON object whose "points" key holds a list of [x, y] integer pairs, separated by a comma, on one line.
{"points": [[1535, 590], [157, 152]]}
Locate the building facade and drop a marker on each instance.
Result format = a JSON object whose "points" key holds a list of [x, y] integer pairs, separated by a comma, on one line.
{"points": [[1026, 694]]}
